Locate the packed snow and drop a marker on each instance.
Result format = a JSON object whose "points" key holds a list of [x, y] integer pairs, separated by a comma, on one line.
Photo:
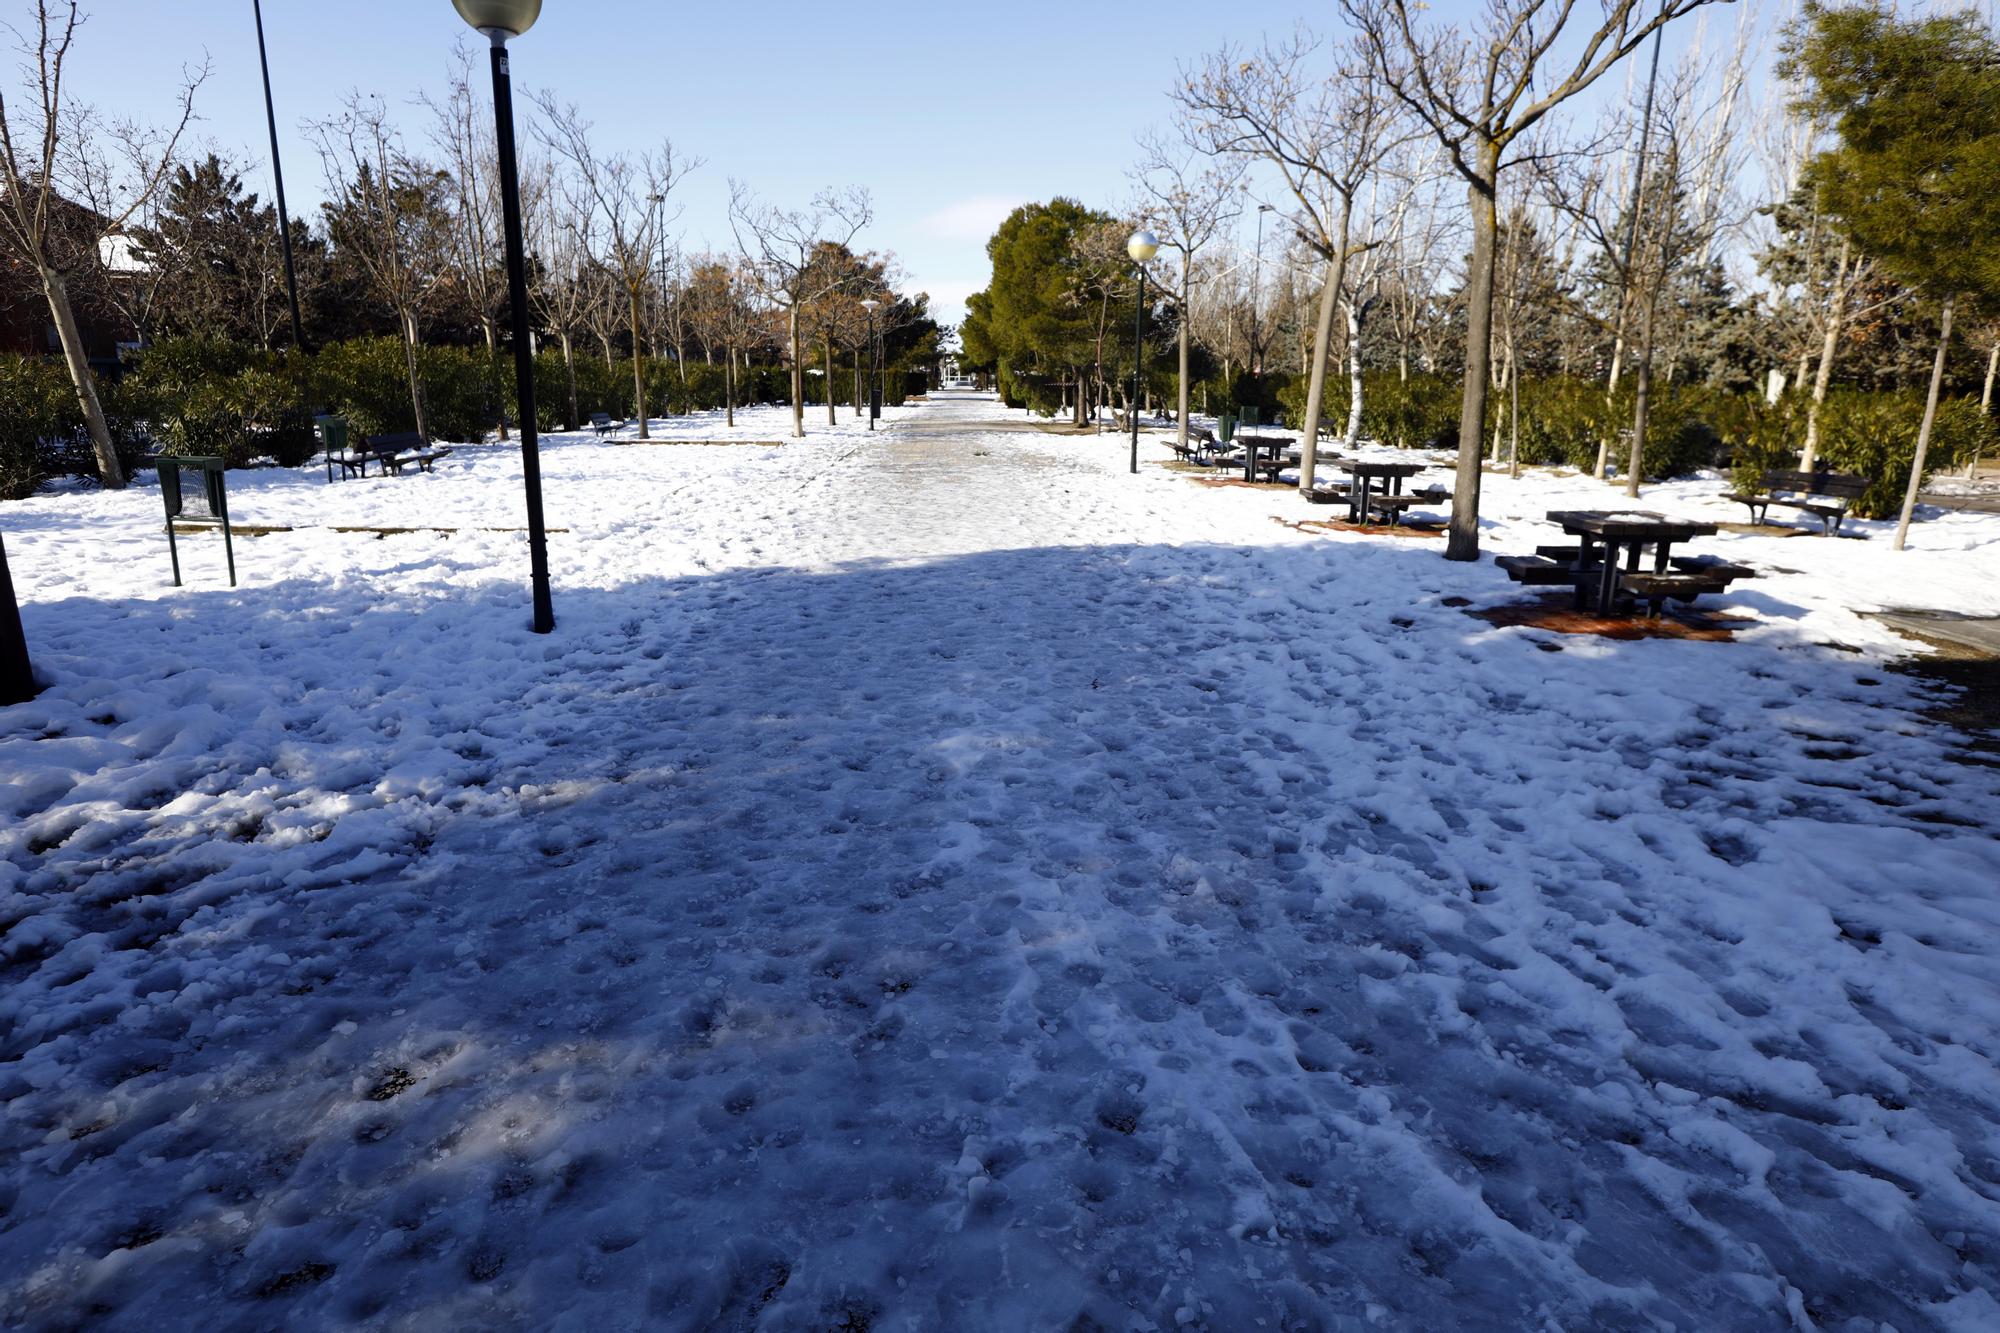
{"points": [[933, 879]]}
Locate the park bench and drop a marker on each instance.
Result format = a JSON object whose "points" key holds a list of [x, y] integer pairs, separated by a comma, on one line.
{"points": [[1824, 495], [602, 423], [1201, 444], [392, 453]]}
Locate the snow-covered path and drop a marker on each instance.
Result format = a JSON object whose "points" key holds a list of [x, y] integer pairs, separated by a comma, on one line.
{"points": [[936, 881]]}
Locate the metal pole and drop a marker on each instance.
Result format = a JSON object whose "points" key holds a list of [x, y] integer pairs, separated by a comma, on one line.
{"points": [[524, 356], [17, 678], [278, 175], [1138, 363]]}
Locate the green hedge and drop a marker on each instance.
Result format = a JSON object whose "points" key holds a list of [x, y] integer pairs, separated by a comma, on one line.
{"points": [[37, 405], [1872, 435]]}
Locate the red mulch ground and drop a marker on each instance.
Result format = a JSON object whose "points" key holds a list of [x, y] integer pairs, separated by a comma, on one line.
{"points": [[1372, 530], [1558, 614], [1241, 484]]}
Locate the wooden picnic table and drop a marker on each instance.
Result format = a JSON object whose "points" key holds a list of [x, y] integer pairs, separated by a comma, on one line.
{"points": [[1254, 447], [1364, 476], [1613, 543]]}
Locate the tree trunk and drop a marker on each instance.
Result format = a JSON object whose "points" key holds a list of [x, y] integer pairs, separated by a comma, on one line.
{"points": [[1336, 274], [493, 371], [1924, 432], [1514, 397], [729, 388], [1611, 391], [798, 379], [574, 420], [1463, 541], [1985, 405], [826, 344], [639, 405], [109, 470], [1184, 387], [410, 365], [1356, 313], [857, 384], [1643, 386], [1838, 307]]}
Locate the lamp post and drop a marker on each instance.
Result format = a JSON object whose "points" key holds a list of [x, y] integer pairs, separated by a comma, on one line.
{"points": [[499, 20], [871, 305], [1142, 247], [278, 177], [17, 679]]}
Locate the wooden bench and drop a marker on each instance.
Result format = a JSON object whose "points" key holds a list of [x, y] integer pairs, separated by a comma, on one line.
{"points": [[1692, 575], [1824, 495], [392, 453], [602, 423], [1537, 571], [1392, 507]]}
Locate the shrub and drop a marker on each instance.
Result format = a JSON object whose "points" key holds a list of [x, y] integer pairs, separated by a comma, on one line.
{"points": [[1865, 434], [38, 416]]}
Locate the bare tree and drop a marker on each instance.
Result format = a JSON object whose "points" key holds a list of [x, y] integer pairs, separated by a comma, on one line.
{"points": [[722, 297], [1189, 206], [561, 290], [1478, 93], [631, 199], [463, 133], [389, 217], [782, 246], [47, 158], [1325, 133]]}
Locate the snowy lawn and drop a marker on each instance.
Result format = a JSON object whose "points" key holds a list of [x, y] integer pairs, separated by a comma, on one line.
{"points": [[935, 880]]}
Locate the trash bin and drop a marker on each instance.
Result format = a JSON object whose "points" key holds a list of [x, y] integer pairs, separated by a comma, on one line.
{"points": [[333, 437], [195, 492], [1225, 428]]}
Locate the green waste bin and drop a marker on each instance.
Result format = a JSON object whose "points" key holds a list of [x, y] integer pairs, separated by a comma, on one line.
{"points": [[333, 437], [1225, 428], [196, 493]]}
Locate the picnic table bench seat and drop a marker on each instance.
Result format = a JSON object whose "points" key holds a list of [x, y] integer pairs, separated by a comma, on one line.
{"points": [[1536, 571], [602, 423], [1655, 590], [392, 453], [1824, 495]]}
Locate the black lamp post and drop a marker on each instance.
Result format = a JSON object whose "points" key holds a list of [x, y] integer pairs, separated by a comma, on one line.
{"points": [[499, 20], [1142, 247], [278, 176], [17, 680], [874, 365]]}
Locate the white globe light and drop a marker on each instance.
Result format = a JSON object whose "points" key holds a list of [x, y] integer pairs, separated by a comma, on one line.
{"points": [[1143, 246], [512, 17]]}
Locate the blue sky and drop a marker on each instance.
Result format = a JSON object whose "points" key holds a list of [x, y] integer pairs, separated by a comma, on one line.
{"points": [[949, 114]]}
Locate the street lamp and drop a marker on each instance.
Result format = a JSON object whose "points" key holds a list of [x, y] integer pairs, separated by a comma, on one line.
{"points": [[499, 20], [1142, 247], [871, 305], [17, 679], [278, 175]]}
